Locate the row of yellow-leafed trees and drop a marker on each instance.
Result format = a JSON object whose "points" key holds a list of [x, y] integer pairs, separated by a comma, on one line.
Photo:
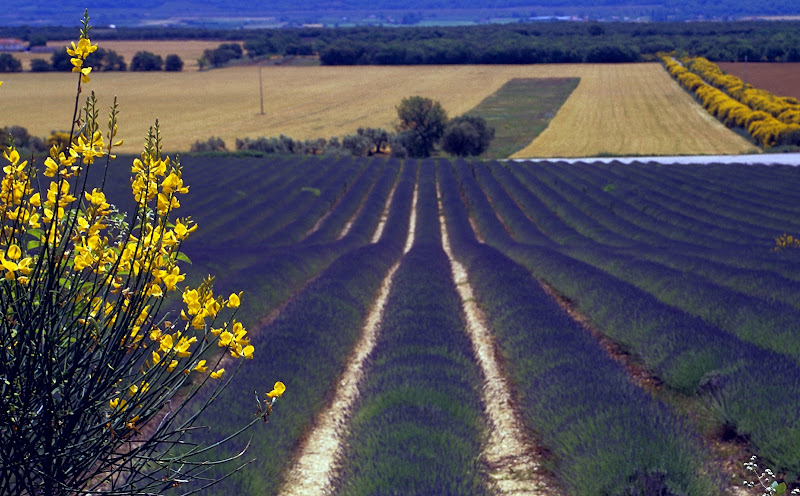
{"points": [[771, 120]]}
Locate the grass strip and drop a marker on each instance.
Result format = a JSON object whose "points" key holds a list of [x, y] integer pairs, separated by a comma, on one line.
{"points": [[520, 110]]}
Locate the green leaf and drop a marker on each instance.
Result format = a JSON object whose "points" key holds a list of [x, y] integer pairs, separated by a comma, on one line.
{"points": [[182, 257], [779, 488], [33, 244]]}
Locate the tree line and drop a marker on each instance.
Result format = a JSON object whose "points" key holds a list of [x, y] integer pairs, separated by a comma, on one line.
{"points": [[519, 43], [423, 124], [101, 60]]}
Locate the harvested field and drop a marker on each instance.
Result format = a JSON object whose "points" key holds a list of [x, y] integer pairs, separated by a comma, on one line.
{"points": [[779, 78], [632, 109], [617, 109]]}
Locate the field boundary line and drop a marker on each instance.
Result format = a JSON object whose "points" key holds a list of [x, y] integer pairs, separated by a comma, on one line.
{"points": [[313, 472], [510, 454]]}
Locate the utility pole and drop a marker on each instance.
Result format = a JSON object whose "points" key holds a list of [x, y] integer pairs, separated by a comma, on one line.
{"points": [[260, 88]]}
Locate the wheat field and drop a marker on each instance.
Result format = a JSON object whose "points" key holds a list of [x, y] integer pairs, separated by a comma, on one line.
{"points": [[632, 109], [621, 109]]}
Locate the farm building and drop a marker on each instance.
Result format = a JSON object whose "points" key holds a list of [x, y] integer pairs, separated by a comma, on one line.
{"points": [[11, 45]]}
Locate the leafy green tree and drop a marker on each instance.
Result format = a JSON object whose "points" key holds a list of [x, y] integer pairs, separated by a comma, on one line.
{"points": [[100, 60], [223, 54], [173, 63], [467, 135], [9, 64], [422, 123], [111, 60], [379, 139], [146, 61], [40, 65]]}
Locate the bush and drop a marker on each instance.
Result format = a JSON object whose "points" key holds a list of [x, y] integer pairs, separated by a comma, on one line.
{"points": [[223, 54], [9, 64], [40, 65], [467, 135], [22, 138], [213, 144], [379, 139], [173, 63], [397, 147], [357, 145], [59, 139], [96, 381], [146, 61]]}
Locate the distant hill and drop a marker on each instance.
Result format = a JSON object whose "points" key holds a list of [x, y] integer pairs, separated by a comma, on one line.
{"points": [[243, 13]]}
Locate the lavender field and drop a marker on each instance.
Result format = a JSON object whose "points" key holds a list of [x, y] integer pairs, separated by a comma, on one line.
{"points": [[351, 275]]}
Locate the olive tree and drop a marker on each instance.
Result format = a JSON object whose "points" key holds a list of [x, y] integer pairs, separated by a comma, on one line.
{"points": [[422, 123]]}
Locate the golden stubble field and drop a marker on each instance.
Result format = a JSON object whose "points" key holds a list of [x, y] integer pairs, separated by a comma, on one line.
{"points": [[619, 109]]}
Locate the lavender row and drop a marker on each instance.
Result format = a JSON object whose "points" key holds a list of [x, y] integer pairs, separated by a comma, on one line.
{"points": [[344, 208], [663, 210], [517, 222], [551, 226], [602, 203], [570, 214], [306, 210], [417, 427], [742, 212], [673, 259], [570, 393], [480, 207], [300, 212], [307, 346], [250, 205], [768, 324], [427, 231], [750, 186], [596, 221], [688, 354]]}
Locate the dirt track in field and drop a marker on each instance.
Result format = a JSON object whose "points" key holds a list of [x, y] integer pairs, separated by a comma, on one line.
{"points": [[512, 457], [313, 470]]}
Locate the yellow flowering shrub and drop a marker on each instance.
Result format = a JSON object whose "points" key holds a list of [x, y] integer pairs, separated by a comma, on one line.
{"points": [[95, 380], [786, 241], [770, 120]]}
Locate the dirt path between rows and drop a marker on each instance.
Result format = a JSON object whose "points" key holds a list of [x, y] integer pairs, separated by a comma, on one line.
{"points": [[313, 472], [512, 457]]}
